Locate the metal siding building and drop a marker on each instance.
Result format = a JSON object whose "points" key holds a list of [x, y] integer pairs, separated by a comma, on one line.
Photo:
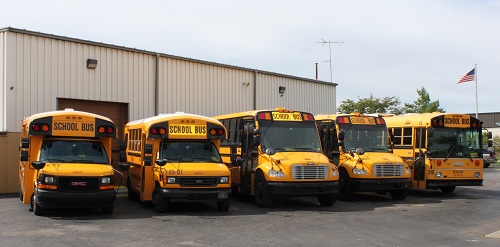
{"points": [[43, 72]]}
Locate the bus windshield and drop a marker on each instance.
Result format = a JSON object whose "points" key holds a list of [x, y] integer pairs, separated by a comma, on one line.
{"points": [[290, 136], [184, 151], [372, 138], [73, 151], [455, 143]]}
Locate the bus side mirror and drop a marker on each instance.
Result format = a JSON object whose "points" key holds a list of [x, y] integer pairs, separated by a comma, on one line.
{"points": [[490, 135], [24, 155], [341, 135], [161, 162], [256, 140], [25, 142], [38, 164], [240, 161], [123, 166]]}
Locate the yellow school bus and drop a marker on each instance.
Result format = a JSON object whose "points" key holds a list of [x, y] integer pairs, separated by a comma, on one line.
{"points": [[361, 144], [442, 149], [277, 153], [175, 158], [66, 161]]}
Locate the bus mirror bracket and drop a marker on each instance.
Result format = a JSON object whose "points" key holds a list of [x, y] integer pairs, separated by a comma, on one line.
{"points": [[161, 162], [25, 142], [256, 140], [122, 156], [122, 145], [38, 164]]}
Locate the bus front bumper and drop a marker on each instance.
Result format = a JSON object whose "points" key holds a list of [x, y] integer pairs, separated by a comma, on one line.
{"points": [[375, 185], [439, 183], [192, 195], [57, 199], [303, 189]]}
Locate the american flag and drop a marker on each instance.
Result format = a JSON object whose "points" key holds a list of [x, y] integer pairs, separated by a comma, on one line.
{"points": [[468, 77]]}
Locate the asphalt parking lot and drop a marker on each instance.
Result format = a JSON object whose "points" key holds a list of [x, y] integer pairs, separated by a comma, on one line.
{"points": [[468, 217]]}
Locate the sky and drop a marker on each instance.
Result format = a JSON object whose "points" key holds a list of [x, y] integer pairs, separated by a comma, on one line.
{"points": [[384, 48]]}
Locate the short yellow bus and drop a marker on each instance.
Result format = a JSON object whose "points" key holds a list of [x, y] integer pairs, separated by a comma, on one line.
{"points": [[366, 159], [442, 149], [66, 161], [175, 158], [277, 153]]}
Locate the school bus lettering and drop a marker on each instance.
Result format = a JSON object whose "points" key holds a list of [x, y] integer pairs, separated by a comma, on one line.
{"points": [[280, 116], [192, 130], [362, 120], [87, 127], [66, 126], [457, 121]]}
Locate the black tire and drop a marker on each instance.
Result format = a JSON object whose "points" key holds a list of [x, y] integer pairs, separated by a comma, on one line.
{"points": [[346, 192], [261, 193], [327, 200], [161, 204], [37, 210], [447, 189], [131, 195], [108, 210], [399, 194], [223, 206]]}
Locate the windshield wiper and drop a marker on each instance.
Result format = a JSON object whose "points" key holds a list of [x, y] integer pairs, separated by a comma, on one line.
{"points": [[87, 161]]}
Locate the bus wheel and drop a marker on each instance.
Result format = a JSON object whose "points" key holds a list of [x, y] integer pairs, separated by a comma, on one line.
{"points": [[261, 193], [399, 194], [37, 210], [131, 195], [224, 205], [327, 200], [447, 189], [161, 204], [346, 192]]}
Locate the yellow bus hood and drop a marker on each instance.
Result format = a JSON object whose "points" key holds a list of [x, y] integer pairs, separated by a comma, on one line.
{"points": [[303, 158], [74, 169]]}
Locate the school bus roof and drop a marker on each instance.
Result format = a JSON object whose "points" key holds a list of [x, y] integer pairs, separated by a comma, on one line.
{"points": [[334, 116], [64, 112], [172, 116]]}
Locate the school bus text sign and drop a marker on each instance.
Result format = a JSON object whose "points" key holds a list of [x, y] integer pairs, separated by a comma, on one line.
{"points": [[362, 120], [284, 116], [457, 121], [183, 130], [67, 126]]}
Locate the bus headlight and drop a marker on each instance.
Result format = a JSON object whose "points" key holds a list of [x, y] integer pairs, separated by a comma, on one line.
{"points": [[477, 174], [439, 175], [171, 180], [49, 180], [224, 180], [106, 180], [408, 170], [276, 174], [359, 171], [335, 173]]}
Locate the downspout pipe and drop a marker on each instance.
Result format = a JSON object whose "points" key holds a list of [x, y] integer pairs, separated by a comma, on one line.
{"points": [[157, 83]]}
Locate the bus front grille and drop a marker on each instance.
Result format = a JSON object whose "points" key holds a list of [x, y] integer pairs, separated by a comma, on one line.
{"points": [[198, 181], [388, 170], [78, 184], [309, 172]]}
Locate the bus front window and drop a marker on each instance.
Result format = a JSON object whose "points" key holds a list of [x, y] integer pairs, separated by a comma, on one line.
{"points": [[370, 138], [290, 136], [73, 151], [455, 143], [189, 152]]}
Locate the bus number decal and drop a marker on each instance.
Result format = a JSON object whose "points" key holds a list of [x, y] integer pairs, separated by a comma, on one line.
{"points": [[175, 172], [282, 116]]}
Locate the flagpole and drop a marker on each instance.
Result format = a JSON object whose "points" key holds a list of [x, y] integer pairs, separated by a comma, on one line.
{"points": [[475, 70]]}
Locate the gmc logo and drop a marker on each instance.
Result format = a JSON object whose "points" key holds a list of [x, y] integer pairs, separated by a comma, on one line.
{"points": [[78, 183]]}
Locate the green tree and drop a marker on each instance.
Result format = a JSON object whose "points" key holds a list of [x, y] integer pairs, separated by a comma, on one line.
{"points": [[422, 104], [371, 105]]}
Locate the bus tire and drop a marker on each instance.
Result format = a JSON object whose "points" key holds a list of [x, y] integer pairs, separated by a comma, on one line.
{"points": [[37, 210], [399, 194], [447, 189], [261, 193], [131, 195], [327, 200], [346, 193], [223, 206], [161, 204]]}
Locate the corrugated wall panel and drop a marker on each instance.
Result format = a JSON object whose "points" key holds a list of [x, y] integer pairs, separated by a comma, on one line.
{"points": [[203, 89], [43, 69], [299, 95]]}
